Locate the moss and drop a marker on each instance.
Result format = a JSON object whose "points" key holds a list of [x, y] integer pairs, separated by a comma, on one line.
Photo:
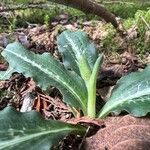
{"points": [[139, 20], [127, 8]]}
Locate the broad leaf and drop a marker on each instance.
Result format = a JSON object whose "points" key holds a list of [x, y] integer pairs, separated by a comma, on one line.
{"points": [[6, 74], [131, 94], [46, 71], [79, 54], [22, 131]]}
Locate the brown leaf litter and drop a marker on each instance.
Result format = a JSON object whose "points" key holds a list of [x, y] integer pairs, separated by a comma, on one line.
{"points": [[121, 133], [24, 95]]}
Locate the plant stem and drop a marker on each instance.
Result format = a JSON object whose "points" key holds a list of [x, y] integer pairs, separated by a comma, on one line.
{"points": [[91, 88]]}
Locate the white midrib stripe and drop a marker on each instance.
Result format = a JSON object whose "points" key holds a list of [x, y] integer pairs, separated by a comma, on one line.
{"points": [[29, 137], [116, 103], [74, 47], [46, 72], [7, 72]]}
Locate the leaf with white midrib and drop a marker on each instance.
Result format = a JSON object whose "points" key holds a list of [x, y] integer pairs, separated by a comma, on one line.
{"points": [[6, 74], [74, 46], [30, 130], [132, 93], [46, 71]]}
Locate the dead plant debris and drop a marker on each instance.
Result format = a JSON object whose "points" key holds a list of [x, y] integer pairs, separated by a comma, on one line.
{"points": [[125, 132]]}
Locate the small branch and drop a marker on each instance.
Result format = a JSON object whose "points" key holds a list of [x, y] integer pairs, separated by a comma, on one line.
{"points": [[118, 2], [90, 7], [25, 6]]}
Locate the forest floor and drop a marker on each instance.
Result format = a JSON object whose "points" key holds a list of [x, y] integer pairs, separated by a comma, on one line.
{"points": [[42, 38]]}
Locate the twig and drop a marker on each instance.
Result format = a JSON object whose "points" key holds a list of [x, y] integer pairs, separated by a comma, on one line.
{"points": [[118, 2], [83, 139], [25, 6]]}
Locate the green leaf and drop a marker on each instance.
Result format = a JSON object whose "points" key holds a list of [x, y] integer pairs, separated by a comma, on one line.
{"points": [[132, 94], [79, 54], [22, 131], [46, 71], [6, 74]]}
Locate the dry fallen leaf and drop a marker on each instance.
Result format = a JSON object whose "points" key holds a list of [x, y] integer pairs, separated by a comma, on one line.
{"points": [[122, 133]]}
